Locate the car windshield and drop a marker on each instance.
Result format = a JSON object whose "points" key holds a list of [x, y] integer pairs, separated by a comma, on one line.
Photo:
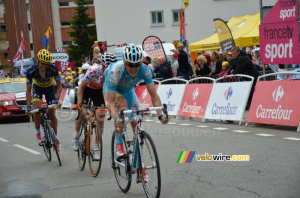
{"points": [[13, 87]]}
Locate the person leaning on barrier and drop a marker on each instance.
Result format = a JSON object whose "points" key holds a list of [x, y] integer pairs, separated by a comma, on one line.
{"points": [[185, 69], [201, 67]]}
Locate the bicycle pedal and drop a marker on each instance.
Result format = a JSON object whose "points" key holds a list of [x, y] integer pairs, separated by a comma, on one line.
{"points": [[40, 144], [129, 142]]}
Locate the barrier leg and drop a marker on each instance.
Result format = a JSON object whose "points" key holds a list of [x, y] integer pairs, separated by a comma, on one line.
{"points": [[298, 129], [203, 119]]}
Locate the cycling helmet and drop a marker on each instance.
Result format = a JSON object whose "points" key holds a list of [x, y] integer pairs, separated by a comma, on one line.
{"points": [[108, 58], [44, 56], [85, 66], [133, 55]]}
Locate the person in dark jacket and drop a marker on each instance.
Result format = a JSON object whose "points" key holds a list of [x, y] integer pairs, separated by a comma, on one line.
{"points": [[201, 68], [243, 65], [185, 69], [164, 69]]}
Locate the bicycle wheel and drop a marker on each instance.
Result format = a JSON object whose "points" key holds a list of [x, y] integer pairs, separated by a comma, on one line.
{"points": [[47, 143], [148, 160], [51, 131], [95, 151], [81, 154], [122, 170]]}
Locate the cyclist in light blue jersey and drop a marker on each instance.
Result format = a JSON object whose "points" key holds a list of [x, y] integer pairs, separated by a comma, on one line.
{"points": [[119, 91]]}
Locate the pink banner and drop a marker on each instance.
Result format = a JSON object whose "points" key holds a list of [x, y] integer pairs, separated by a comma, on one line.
{"points": [[283, 11], [275, 102], [280, 43], [144, 96]]}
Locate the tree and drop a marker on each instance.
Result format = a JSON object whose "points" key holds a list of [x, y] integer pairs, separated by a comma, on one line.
{"points": [[84, 33]]}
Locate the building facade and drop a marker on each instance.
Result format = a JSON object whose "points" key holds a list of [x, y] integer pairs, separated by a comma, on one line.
{"points": [[34, 17], [120, 21]]}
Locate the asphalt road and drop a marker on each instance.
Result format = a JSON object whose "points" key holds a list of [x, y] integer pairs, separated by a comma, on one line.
{"points": [[273, 169]]}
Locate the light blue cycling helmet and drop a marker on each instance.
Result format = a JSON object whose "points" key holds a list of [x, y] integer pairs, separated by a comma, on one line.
{"points": [[133, 55]]}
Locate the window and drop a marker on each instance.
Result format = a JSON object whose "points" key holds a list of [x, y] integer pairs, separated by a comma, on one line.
{"points": [[64, 4], [27, 6], [157, 17], [31, 46], [3, 28], [65, 23], [29, 26], [67, 42], [176, 16], [89, 2]]}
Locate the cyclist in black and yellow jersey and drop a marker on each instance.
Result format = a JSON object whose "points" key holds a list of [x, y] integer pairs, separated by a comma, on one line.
{"points": [[40, 81]]}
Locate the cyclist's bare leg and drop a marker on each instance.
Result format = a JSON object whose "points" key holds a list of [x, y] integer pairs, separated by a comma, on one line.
{"points": [[79, 122], [36, 116], [121, 103], [100, 120], [53, 119]]}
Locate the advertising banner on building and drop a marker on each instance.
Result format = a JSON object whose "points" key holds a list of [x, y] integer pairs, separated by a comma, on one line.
{"points": [[228, 101], [276, 102], [279, 34], [172, 96], [195, 99], [144, 96]]}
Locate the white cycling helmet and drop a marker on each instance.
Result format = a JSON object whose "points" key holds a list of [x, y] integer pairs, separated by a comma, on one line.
{"points": [[85, 66], [132, 55], [108, 58]]}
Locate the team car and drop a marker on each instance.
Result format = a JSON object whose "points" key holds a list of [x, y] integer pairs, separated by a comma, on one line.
{"points": [[13, 98]]}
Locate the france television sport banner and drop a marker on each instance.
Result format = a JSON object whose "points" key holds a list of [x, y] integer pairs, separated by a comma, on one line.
{"points": [[144, 96], [171, 95], [153, 46], [228, 101], [276, 102], [195, 100]]}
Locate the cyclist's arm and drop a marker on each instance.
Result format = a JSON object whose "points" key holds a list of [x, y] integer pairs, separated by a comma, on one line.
{"points": [[154, 97], [28, 95], [58, 89], [111, 104], [81, 88]]}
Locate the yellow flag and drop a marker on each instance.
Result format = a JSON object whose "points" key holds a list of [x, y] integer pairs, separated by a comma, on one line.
{"points": [[186, 3], [224, 34]]}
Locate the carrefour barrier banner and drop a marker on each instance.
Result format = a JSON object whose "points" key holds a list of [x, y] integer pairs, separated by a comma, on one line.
{"points": [[144, 96], [171, 95], [195, 100], [276, 102], [228, 101]]}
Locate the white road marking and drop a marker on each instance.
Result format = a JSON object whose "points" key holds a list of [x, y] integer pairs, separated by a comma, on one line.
{"points": [[185, 124], [27, 149], [172, 123], [149, 120], [4, 140], [291, 138], [157, 121], [202, 126], [220, 129], [265, 135], [240, 131]]}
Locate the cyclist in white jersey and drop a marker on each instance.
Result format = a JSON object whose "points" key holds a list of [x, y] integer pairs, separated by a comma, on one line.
{"points": [[90, 88], [84, 68]]}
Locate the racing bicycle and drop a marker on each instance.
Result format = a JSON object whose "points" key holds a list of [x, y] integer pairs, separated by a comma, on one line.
{"points": [[141, 157], [90, 140], [49, 138]]}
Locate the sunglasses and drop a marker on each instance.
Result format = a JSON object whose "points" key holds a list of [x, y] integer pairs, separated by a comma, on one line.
{"points": [[133, 64], [44, 64]]}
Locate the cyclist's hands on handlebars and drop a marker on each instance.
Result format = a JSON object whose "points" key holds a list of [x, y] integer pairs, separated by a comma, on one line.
{"points": [[119, 122], [163, 119], [27, 111]]}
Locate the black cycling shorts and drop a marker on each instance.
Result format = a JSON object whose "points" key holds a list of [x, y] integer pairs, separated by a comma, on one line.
{"points": [[38, 92], [96, 95]]}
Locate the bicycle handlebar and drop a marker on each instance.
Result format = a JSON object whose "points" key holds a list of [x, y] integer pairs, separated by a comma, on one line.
{"points": [[38, 110], [164, 108]]}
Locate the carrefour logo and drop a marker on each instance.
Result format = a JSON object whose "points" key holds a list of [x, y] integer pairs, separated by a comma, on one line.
{"points": [[278, 93], [169, 93], [195, 94], [228, 93], [144, 94]]}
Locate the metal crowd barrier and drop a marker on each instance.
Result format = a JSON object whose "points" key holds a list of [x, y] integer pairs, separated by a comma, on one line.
{"points": [[273, 76], [202, 80]]}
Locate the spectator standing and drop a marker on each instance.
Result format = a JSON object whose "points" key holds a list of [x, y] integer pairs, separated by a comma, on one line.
{"points": [[216, 64], [164, 69], [185, 69], [224, 56], [175, 64], [155, 66], [201, 67]]}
